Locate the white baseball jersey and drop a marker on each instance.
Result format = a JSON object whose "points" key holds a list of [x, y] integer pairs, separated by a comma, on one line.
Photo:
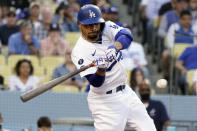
{"points": [[85, 52]]}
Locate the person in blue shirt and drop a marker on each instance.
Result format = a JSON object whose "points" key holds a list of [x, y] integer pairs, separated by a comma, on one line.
{"points": [[66, 18], [156, 109], [24, 42], [186, 61], [66, 68], [112, 15]]}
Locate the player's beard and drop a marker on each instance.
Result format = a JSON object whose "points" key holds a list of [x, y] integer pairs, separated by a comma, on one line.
{"points": [[93, 36]]}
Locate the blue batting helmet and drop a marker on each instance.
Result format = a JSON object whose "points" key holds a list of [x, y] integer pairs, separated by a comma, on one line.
{"points": [[90, 14]]}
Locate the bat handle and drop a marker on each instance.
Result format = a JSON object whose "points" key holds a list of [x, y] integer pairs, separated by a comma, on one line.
{"points": [[92, 64]]}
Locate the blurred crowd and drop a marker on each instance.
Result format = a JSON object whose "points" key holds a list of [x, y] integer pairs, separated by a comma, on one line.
{"points": [[39, 28], [34, 41], [168, 30]]}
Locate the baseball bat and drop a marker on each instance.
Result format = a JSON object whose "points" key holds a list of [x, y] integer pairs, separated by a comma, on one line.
{"points": [[49, 85]]}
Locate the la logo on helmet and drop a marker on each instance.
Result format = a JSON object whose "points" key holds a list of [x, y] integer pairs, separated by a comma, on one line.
{"points": [[92, 14]]}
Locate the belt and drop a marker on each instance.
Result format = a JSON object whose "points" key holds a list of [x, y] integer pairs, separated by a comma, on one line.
{"points": [[117, 89]]}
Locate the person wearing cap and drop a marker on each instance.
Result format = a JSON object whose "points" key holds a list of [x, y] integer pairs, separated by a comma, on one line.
{"points": [[8, 29], [42, 30], [34, 12], [54, 44], [67, 67], [24, 42], [65, 17], [112, 15]]}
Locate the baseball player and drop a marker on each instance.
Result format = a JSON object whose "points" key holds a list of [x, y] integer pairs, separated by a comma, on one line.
{"points": [[111, 101]]}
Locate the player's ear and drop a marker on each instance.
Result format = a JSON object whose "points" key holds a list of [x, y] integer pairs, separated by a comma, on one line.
{"points": [[79, 24]]}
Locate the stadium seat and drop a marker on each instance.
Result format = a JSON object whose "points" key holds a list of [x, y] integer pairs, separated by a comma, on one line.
{"points": [[39, 71], [44, 78], [50, 62], [179, 48], [128, 75], [189, 78], [65, 88], [5, 71], [13, 59], [2, 60], [72, 37]]}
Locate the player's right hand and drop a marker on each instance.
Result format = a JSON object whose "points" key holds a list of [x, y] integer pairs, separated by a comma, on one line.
{"points": [[111, 53], [101, 63]]}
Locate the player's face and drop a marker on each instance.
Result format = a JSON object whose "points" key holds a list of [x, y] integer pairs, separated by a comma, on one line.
{"points": [[90, 32]]}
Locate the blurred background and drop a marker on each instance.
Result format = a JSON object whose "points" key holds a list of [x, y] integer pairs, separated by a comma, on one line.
{"points": [[36, 40]]}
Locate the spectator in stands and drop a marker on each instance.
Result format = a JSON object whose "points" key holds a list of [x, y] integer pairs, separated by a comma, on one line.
{"points": [[112, 15], [186, 61], [34, 13], [66, 68], [143, 19], [178, 33], [193, 9], [136, 78], [193, 89], [6, 30], [1, 124], [54, 45], [152, 10], [104, 12], [165, 8], [156, 109], [171, 17], [3, 11], [101, 3], [44, 124], [134, 57], [10, 27], [1, 17], [65, 17], [42, 30], [24, 42], [24, 79]]}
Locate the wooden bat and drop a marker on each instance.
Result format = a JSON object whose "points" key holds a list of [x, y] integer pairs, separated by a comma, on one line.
{"points": [[49, 85]]}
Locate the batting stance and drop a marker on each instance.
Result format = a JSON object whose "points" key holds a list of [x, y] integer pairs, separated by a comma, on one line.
{"points": [[111, 101]]}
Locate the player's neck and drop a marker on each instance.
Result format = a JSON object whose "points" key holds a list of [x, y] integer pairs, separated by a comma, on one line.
{"points": [[90, 40]]}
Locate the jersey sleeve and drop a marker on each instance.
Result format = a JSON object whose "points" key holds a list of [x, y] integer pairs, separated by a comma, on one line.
{"points": [[81, 61], [111, 29]]}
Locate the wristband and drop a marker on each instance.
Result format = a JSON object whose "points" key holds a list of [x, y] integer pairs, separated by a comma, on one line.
{"points": [[102, 69], [112, 47]]}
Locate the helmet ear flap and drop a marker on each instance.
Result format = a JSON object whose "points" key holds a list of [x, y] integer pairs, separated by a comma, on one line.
{"points": [[90, 14]]}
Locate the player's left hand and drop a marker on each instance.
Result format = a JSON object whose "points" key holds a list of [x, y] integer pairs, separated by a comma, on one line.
{"points": [[101, 63], [111, 53]]}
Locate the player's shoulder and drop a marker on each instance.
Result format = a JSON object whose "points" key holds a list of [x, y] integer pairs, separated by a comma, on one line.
{"points": [[110, 24]]}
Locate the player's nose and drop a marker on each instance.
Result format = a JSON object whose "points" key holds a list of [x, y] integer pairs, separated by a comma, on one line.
{"points": [[94, 27]]}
